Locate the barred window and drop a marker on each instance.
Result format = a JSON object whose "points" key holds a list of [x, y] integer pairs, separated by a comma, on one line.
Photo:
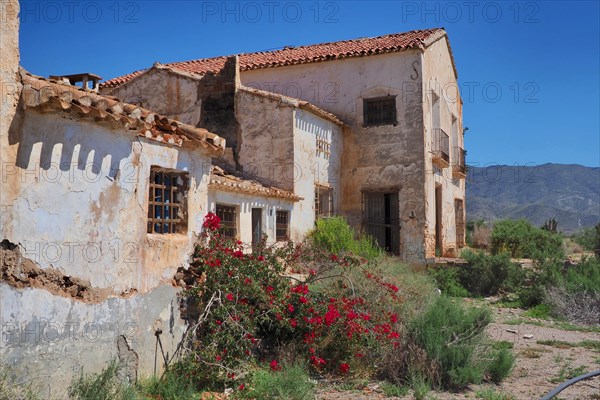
{"points": [[380, 111], [323, 201], [167, 201], [282, 225], [228, 216]]}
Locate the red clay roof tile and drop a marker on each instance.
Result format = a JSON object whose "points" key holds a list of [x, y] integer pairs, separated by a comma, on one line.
{"points": [[303, 54]]}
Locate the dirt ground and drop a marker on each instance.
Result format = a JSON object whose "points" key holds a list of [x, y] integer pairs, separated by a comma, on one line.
{"points": [[536, 367]]}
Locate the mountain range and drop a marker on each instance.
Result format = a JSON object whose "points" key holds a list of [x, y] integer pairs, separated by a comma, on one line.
{"points": [[570, 193]]}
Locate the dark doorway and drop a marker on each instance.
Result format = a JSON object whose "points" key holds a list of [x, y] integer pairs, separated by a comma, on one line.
{"points": [[439, 245], [381, 219], [256, 227]]}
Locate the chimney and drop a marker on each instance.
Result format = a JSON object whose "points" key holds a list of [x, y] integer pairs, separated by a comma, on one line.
{"points": [[85, 78]]}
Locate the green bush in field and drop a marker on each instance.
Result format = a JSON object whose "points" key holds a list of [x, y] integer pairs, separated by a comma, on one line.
{"points": [[448, 282], [485, 274], [291, 383], [453, 337], [105, 385], [588, 238], [336, 236], [522, 240]]}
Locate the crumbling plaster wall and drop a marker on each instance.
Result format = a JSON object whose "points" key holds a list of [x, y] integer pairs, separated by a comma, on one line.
{"points": [[266, 147], [73, 198], [47, 340], [76, 199], [164, 92], [382, 157], [439, 78], [245, 203]]}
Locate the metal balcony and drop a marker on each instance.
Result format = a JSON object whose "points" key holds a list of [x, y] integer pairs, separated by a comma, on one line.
{"points": [[459, 167], [441, 148]]}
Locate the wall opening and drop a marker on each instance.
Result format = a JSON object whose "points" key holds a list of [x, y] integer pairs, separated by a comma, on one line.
{"points": [[167, 209], [256, 227], [381, 219]]}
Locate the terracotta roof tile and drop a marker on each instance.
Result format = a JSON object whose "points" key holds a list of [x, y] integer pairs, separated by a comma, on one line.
{"points": [[304, 54], [227, 181], [51, 95]]}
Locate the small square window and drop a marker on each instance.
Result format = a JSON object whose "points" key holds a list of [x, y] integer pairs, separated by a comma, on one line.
{"points": [[228, 216], [380, 111], [167, 211], [282, 225]]}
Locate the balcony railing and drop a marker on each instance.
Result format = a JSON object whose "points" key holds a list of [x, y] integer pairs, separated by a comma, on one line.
{"points": [[441, 148], [459, 167]]}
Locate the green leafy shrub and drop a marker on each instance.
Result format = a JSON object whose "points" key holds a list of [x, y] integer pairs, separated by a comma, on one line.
{"points": [[291, 383], [453, 337], [485, 274], [589, 238], [448, 282], [337, 237], [522, 240], [501, 365]]}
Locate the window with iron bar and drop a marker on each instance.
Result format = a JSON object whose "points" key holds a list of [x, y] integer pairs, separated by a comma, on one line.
{"points": [[380, 111], [323, 201], [167, 201], [228, 216], [282, 225]]}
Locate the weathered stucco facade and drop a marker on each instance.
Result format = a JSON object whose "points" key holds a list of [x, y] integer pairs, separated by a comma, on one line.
{"points": [[392, 158], [85, 277]]}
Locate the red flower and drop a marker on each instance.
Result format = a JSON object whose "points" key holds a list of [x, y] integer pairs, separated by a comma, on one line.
{"points": [[269, 289], [238, 254], [293, 322], [275, 365], [229, 297], [242, 387], [312, 271], [211, 222], [301, 289], [344, 368], [394, 318], [260, 258], [303, 300], [247, 281], [218, 358], [334, 257], [218, 322], [290, 308]]}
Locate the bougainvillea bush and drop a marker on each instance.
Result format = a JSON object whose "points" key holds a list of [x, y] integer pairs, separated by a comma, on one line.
{"points": [[246, 308], [337, 315]]}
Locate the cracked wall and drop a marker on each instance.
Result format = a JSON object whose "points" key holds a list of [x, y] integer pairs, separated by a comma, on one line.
{"points": [[75, 198]]}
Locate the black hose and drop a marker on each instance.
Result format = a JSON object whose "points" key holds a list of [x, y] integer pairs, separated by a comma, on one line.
{"points": [[570, 382]]}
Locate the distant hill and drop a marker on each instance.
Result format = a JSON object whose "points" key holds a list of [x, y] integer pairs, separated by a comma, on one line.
{"points": [[568, 192]]}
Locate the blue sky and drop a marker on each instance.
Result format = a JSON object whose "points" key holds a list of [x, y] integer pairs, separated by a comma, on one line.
{"points": [[529, 71]]}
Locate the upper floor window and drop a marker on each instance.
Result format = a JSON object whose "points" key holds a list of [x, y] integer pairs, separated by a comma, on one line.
{"points": [[380, 111], [228, 216], [167, 211]]}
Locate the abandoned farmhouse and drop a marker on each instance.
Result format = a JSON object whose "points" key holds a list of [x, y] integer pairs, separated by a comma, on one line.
{"points": [[105, 184]]}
